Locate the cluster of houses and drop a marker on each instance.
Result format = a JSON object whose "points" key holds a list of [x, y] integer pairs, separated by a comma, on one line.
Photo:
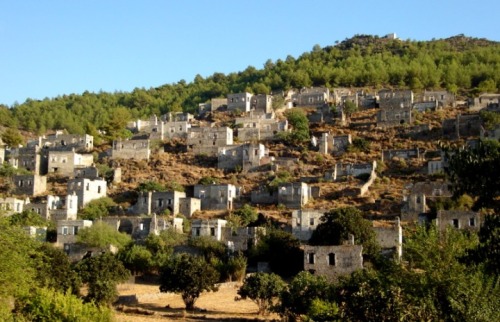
{"points": [[243, 148]]}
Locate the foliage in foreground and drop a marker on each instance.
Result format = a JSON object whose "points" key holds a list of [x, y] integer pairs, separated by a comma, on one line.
{"points": [[188, 275], [48, 305], [263, 289]]}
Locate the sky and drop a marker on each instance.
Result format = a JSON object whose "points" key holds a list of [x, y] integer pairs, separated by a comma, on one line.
{"points": [[59, 47]]}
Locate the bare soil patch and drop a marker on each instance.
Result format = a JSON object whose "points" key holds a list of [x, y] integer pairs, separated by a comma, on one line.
{"points": [[211, 306]]}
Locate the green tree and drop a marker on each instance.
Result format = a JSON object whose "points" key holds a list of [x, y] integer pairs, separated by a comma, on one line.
{"points": [[297, 118], [282, 250], [12, 138], [350, 108], [263, 289], [296, 300], [336, 226], [475, 171], [101, 274], [188, 275], [102, 235], [28, 218], [49, 305], [136, 258], [487, 252], [97, 209], [247, 214]]}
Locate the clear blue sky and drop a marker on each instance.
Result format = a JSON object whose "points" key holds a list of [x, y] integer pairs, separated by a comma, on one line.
{"points": [[56, 47]]}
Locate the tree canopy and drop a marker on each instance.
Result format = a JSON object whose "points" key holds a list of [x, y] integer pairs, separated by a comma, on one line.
{"points": [[188, 275]]}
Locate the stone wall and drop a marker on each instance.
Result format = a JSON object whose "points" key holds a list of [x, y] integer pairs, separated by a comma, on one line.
{"points": [[305, 221], [333, 261], [29, 185], [131, 149], [468, 220]]}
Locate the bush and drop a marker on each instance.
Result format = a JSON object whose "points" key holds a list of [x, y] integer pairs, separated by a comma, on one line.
{"points": [[49, 305]]}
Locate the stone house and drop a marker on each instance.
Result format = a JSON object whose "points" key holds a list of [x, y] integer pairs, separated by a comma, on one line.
{"points": [[245, 157], [68, 229], [394, 116], [333, 261], [188, 206], [216, 196], [30, 158], [208, 140], [87, 189], [157, 202], [490, 134], [66, 142], [215, 104], [443, 98], [86, 172], [389, 236], [339, 93], [261, 103], [314, 96], [294, 195], [29, 184], [336, 145], [2, 151], [131, 149], [65, 162], [462, 126], [458, 219], [256, 128], [209, 227], [263, 196], [56, 208], [12, 205], [484, 100], [417, 198], [426, 106], [305, 221], [178, 117], [140, 227], [239, 101], [393, 99], [343, 170], [388, 155], [435, 166], [176, 129], [243, 238]]}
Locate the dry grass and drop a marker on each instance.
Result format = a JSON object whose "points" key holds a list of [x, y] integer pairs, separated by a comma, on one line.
{"points": [[211, 306]]}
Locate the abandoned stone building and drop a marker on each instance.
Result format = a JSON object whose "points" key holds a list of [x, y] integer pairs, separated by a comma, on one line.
{"points": [[459, 219], [208, 140], [90, 172], [490, 134], [314, 96], [336, 145], [417, 199], [333, 261], [158, 202], [256, 128], [394, 116], [389, 235], [462, 126], [216, 104], [87, 189], [239, 102], [484, 100], [12, 205], [31, 158], [2, 151], [60, 141], [426, 106], [305, 221], [29, 184], [176, 130], [338, 93], [261, 104], [388, 155], [216, 196], [56, 208], [435, 166], [141, 227], [131, 149], [444, 99], [264, 196], [242, 238], [67, 230], [188, 206], [342, 170], [245, 157], [177, 117], [294, 195], [65, 162], [209, 227], [392, 99]]}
